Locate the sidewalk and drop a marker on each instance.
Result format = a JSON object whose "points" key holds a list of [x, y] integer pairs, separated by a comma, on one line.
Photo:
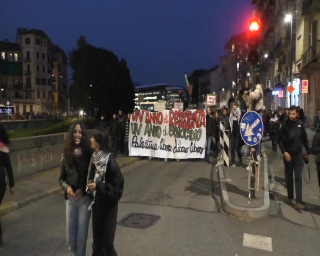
{"points": [[235, 192], [38, 186], [310, 192]]}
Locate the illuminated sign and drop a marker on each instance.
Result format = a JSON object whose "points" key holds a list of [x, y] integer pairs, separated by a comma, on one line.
{"points": [[280, 95], [211, 100], [305, 86]]}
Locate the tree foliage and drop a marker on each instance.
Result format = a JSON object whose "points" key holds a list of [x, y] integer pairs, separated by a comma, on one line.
{"points": [[112, 87]]}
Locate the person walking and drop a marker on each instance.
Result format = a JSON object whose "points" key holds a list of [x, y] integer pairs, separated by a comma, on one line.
{"points": [[317, 124], [73, 179], [316, 151], [126, 137], [122, 129], [5, 169], [292, 137], [106, 181], [274, 129], [235, 136], [209, 133], [114, 133], [216, 133], [225, 118]]}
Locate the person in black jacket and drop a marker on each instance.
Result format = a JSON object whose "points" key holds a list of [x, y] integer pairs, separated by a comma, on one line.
{"points": [[216, 133], [73, 180], [5, 168], [126, 137], [292, 137], [122, 129], [114, 133], [106, 181], [316, 151], [209, 133]]}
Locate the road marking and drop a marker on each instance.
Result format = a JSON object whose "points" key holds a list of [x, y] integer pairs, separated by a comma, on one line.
{"points": [[257, 242]]}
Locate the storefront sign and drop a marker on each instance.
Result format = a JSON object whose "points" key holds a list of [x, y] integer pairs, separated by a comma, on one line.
{"points": [[178, 105], [168, 134], [280, 94], [211, 100], [305, 86]]}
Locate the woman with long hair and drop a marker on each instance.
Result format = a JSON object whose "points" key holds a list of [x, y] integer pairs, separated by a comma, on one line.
{"points": [[73, 179], [105, 181], [5, 168]]}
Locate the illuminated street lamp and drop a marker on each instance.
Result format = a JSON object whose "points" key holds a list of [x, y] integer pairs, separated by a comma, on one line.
{"points": [[288, 18], [266, 56]]}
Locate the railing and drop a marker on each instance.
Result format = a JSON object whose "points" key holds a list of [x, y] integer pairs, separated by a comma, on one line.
{"points": [[311, 54]]}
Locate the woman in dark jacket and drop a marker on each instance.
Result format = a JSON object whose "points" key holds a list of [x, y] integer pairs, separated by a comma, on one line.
{"points": [[73, 179], [316, 151], [216, 119], [5, 168], [106, 182]]}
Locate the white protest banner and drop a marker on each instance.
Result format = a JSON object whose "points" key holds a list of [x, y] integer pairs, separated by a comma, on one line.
{"points": [[168, 134]]}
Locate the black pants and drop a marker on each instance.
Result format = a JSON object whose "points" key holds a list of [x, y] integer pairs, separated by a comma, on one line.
{"points": [[114, 142], [235, 147], [121, 143], [3, 187], [274, 141], [104, 228], [318, 171], [294, 166], [126, 147]]}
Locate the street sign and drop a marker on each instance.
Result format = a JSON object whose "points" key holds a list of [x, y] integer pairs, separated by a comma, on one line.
{"points": [[290, 88], [211, 100], [280, 94], [305, 86], [251, 128], [178, 105]]}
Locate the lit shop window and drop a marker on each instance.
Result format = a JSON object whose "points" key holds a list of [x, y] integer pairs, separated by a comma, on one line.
{"points": [[16, 57], [3, 55]]}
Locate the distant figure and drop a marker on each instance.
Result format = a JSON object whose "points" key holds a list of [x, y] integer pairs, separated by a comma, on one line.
{"points": [[216, 133], [225, 118], [126, 137], [5, 169], [274, 129], [103, 123], [114, 133], [317, 124], [122, 129], [209, 133], [73, 179], [284, 116], [235, 136]]}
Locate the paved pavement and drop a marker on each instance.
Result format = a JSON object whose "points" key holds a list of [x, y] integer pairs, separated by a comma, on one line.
{"points": [[185, 196], [36, 187]]}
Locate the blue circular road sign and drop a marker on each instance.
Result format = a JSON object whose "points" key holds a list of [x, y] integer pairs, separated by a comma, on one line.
{"points": [[251, 128]]}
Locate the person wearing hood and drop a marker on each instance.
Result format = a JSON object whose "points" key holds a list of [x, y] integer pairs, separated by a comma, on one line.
{"points": [[234, 121], [5, 169]]}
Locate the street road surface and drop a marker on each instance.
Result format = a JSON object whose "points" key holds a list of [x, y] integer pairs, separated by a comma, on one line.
{"points": [[191, 222]]}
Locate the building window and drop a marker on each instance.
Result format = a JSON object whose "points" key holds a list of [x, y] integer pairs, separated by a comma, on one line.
{"points": [[38, 68], [16, 94], [38, 81], [31, 108], [3, 55], [44, 95], [27, 40], [16, 57], [38, 94], [17, 109], [38, 41], [28, 81], [44, 81], [4, 94], [3, 82], [43, 56], [44, 69], [16, 81], [44, 43], [24, 109], [38, 55]]}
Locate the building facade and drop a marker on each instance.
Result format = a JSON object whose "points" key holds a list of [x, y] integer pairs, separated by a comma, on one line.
{"points": [[26, 74]]}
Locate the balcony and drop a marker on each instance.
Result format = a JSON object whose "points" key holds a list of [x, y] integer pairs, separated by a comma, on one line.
{"points": [[27, 73], [17, 87], [26, 59], [311, 55]]}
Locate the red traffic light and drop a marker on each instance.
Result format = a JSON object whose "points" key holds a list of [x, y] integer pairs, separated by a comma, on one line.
{"points": [[254, 24]]}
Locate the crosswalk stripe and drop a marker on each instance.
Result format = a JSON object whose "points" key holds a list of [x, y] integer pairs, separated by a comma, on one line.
{"points": [[257, 242]]}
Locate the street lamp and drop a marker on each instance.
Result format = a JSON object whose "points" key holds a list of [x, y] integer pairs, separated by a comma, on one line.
{"points": [[266, 56], [288, 19], [8, 103]]}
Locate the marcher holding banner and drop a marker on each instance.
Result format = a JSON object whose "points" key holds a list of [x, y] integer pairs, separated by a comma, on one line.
{"points": [[209, 133], [234, 121], [168, 134]]}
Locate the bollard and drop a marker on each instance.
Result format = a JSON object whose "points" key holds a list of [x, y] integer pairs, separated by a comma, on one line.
{"points": [[222, 129], [226, 153]]}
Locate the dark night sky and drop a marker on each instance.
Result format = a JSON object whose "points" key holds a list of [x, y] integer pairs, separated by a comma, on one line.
{"points": [[160, 39]]}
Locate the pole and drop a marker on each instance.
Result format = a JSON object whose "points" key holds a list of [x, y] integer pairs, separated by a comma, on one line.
{"points": [[290, 58]]}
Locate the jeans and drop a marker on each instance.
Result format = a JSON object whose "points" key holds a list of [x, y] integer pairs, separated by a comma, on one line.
{"points": [[208, 146], [78, 217], [258, 146], [3, 187], [104, 222], [235, 146], [294, 166]]}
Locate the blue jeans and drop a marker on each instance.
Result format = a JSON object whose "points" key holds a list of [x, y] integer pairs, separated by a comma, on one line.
{"points": [[208, 146], [78, 217]]}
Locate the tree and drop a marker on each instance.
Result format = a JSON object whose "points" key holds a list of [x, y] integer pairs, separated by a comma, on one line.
{"points": [[101, 84]]}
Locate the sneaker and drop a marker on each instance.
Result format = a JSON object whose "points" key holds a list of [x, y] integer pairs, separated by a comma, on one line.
{"points": [[300, 207], [248, 168], [259, 158], [233, 165]]}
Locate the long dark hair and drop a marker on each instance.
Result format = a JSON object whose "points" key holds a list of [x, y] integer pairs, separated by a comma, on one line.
{"points": [[4, 137], [70, 145], [101, 136]]}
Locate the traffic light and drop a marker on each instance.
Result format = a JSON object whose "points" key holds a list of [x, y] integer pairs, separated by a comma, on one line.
{"points": [[253, 41]]}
